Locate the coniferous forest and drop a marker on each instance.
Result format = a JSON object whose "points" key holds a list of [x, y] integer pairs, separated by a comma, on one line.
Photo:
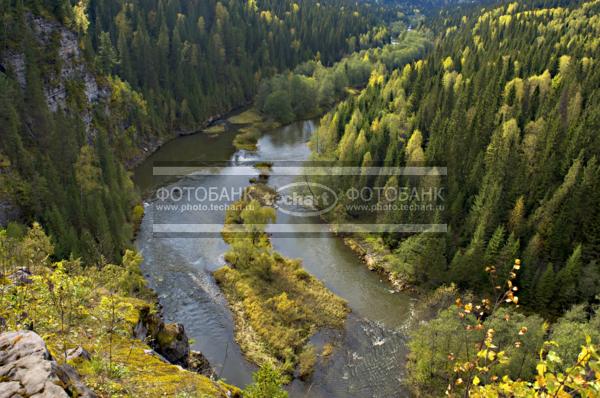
{"points": [[505, 96], [507, 103]]}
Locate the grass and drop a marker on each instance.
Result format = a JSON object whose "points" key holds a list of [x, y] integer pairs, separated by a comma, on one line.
{"points": [[306, 362], [250, 116], [247, 138], [253, 125], [215, 129], [133, 372], [274, 319]]}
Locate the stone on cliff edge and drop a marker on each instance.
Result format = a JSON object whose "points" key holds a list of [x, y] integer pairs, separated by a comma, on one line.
{"points": [[198, 363], [167, 339], [27, 370], [173, 344]]}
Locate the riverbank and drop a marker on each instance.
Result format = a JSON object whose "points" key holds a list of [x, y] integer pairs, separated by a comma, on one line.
{"points": [[156, 143], [368, 348], [249, 126], [374, 255]]}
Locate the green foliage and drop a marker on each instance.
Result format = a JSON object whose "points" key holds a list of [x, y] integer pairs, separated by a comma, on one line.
{"points": [[76, 187], [80, 18], [87, 170], [571, 330], [313, 88], [107, 57], [207, 57], [579, 378], [276, 304], [478, 349], [278, 105], [138, 214], [268, 383], [160, 68], [64, 294], [306, 362], [256, 217], [420, 259], [513, 124], [70, 305]]}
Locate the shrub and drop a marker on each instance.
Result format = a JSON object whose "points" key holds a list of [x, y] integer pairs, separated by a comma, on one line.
{"points": [[306, 362]]}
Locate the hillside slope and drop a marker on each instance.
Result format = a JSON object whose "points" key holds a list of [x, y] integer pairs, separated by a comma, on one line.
{"points": [[508, 102]]}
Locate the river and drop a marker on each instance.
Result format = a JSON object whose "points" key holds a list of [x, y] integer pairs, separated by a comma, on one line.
{"points": [[370, 351]]}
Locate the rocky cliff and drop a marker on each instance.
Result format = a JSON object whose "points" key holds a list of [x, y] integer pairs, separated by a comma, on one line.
{"points": [[65, 73], [70, 68], [170, 342]]}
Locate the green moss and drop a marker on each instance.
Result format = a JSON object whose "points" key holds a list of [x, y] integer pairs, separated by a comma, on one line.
{"points": [[167, 335], [98, 312], [148, 376], [133, 372], [268, 125]]}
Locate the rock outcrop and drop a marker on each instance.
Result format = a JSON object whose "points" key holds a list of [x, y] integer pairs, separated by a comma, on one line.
{"points": [[198, 363], [27, 370], [170, 341]]}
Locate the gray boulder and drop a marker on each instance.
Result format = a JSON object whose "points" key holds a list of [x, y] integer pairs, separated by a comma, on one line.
{"points": [[78, 353], [27, 370]]}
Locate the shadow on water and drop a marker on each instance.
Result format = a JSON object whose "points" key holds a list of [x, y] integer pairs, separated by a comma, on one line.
{"points": [[369, 352]]}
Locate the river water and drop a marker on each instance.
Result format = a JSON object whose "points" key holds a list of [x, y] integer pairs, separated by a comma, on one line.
{"points": [[370, 351]]}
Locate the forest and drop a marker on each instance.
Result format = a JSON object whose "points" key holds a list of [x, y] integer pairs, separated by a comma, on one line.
{"points": [[65, 167], [507, 101], [312, 88], [504, 96], [494, 110]]}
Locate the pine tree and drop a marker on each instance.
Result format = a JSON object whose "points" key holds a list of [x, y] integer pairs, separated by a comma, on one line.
{"points": [[107, 56], [545, 290], [567, 292]]}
